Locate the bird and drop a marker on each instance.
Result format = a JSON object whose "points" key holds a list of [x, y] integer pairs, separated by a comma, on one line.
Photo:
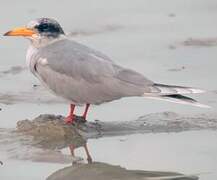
{"points": [[84, 76]]}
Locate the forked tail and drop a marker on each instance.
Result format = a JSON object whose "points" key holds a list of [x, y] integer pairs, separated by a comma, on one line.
{"points": [[174, 94]]}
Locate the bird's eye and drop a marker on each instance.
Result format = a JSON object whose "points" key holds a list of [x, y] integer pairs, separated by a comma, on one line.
{"points": [[44, 26]]}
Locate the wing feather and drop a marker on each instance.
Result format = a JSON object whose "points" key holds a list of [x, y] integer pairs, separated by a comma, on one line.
{"points": [[80, 62]]}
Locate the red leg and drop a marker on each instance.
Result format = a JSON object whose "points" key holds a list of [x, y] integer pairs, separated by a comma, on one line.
{"points": [[71, 117], [86, 110]]}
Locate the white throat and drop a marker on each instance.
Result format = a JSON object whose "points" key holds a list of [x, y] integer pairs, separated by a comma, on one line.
{"points": [[38, 41]]}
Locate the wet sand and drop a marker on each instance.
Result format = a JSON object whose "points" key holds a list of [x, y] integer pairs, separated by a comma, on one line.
{"points": [[98, 171], [43, 139]]}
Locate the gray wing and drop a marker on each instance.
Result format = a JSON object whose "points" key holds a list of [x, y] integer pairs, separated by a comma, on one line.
{"points": [[94, 70], [78, 61]]}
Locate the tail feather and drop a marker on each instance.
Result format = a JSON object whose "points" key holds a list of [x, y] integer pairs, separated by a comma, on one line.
{"points": [[184, 100], [174, 94], [163, 89], [180, 99]]}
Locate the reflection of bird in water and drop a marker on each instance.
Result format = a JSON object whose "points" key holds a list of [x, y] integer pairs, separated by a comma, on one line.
{"points": [[50, 134], [82, 75], [72, 148]]}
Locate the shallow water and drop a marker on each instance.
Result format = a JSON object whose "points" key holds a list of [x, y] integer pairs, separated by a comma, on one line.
{"points": [[145, 35], [192, 153]]}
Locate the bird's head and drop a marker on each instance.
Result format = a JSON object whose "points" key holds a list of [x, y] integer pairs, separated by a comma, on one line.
{"points": [[38, 29]]}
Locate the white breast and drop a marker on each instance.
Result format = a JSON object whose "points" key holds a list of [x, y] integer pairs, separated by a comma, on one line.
{"points": [[30, 60]]}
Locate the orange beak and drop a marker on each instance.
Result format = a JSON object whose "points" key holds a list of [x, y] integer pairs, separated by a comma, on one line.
{"points": [[23, 31]]}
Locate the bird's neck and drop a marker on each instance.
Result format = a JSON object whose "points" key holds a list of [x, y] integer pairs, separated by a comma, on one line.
{"points": [[41, 41]]}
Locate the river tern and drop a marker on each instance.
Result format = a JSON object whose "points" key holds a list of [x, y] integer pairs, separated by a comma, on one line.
{"points": [[84, 76]]}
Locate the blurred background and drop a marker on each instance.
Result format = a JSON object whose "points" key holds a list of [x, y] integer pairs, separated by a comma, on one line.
{"points": [[171, 41]]}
